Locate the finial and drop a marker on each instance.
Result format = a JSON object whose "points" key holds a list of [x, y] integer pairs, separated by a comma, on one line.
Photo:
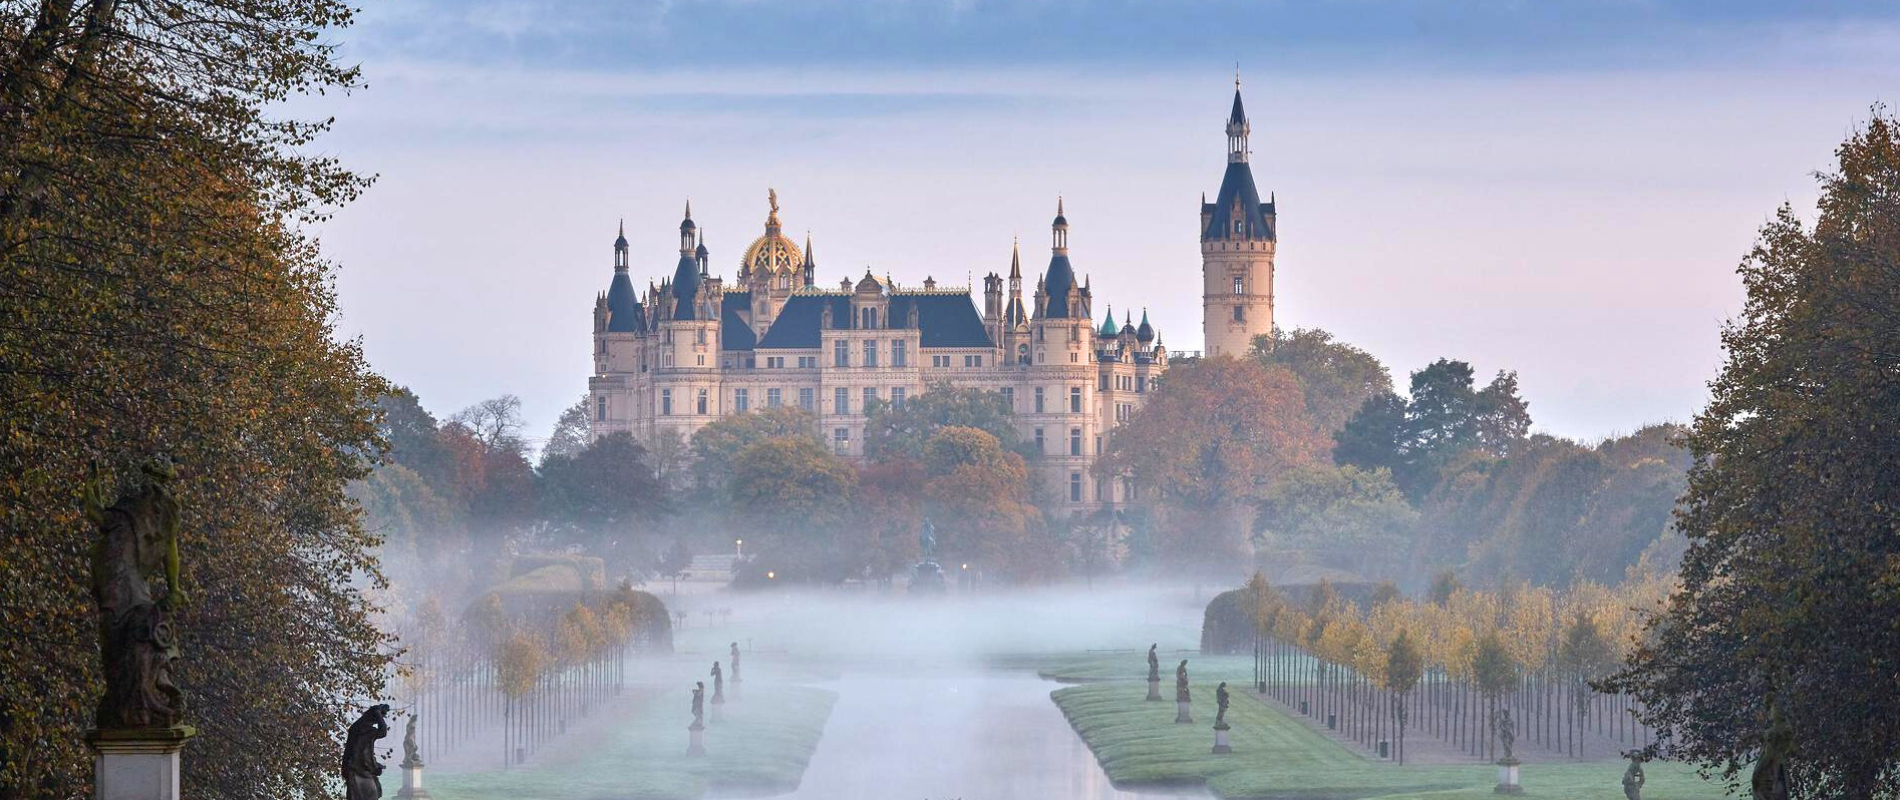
{"points": [[1236, 76], [1058, 205], [689, 208], [623, 226]]}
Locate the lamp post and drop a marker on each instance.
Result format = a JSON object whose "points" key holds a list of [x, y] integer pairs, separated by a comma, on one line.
{"points": [[738, 548]]}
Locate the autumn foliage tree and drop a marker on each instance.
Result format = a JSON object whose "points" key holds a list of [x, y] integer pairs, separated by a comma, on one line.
{"points": [[1212, 436], [1791, 582], [160, 297], [977, 495]]}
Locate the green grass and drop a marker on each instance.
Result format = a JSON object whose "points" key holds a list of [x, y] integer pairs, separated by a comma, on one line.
{"points": [[760, 746], [1276, 756], [1131, 666]]}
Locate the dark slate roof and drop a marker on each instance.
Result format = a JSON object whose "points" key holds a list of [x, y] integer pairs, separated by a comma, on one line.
{"points": [[624, 313], [685, 287], [796, 326], [1146, 332], [1238, 182], [1238, 115], [1057, 282], [1013, 314], [734, 333], [946, 320]]}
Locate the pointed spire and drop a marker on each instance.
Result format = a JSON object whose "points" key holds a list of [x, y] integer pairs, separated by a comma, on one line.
{"points": [[808, 259], [1015, 260], [1237, 128], [1059, 230]]}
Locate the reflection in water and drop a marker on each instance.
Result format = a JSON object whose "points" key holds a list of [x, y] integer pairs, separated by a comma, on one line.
{"points": [[898, 734]]}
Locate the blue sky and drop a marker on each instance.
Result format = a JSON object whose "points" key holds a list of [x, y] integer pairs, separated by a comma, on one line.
{"points": [[1560, 188]]}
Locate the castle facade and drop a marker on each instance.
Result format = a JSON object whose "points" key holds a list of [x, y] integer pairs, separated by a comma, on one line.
{"points": [[692, 348]]}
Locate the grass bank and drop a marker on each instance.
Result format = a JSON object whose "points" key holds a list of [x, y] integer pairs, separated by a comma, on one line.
{"points": [[1131, 665], [760, 746], [1276, 756]]}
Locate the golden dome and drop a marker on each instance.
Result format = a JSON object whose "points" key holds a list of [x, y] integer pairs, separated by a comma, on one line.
{"points": [[772, 252]]}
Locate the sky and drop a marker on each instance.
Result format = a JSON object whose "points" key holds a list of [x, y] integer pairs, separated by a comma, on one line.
{"points": [[1562, 188]]}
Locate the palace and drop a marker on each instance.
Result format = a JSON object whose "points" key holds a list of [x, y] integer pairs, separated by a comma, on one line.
{"points": [[692, 348]]}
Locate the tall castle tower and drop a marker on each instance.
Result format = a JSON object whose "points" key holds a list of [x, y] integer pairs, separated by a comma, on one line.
{"points": [[1238, 233]]}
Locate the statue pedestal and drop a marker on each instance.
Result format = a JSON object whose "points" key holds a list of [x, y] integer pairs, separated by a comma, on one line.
{"points": [[1154, 689], [714, 715], [1181, 713], [1220, 738], [412, 782], [1507, 778], [927, 578], [696, 743], [137, 764]]}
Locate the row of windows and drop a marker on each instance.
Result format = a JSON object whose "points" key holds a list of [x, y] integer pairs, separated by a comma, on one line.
{"points": [[1126, 383], [1075, 442], [841, 401]]}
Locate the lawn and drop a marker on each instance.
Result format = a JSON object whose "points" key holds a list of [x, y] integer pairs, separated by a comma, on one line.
{"points": [[760, 746], [1276, 756]]}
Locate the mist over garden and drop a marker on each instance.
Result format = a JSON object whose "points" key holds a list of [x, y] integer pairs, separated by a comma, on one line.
{"points": [[233, 550]]}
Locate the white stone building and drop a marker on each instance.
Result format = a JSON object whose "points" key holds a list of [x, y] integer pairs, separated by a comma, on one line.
{"points": [[693, 348]]}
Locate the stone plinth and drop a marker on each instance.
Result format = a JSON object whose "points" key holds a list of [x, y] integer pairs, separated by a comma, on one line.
{"points": [[412, 782], [1154, 689], [696, 739], [1507, 778], [137, 764], [1181, 712], [1220, 739]]}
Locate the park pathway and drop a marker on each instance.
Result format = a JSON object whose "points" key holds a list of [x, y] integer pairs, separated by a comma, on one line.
{"points": [[948, 733]]}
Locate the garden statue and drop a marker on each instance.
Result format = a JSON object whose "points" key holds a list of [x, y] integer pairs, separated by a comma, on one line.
{"points": [[695, 744], [138, 538], [735, 662], [1633, 780], [1770, 779], [719, 686], [927, 577], [1220, 699], [411, 754], [1183, 709], [1154, 664], [361, 773], [1507, 733]]}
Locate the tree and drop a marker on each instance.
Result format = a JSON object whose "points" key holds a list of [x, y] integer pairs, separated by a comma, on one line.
{"points": [[676, 558], [1344, 518], [571, 432], [160, 297], [1791, 581], [414, 440], [797, 495], [1404, 666], [1208, 442], [717, 446], [1446, 418], [1374, 436], [976, 493], [495, 422], [892, 433], [601, 496], [1336, 378], [1494, 673]]}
